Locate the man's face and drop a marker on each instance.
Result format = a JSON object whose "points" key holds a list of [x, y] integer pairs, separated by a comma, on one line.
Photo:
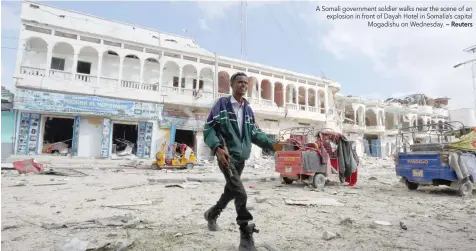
{"points": [[240, 85]]}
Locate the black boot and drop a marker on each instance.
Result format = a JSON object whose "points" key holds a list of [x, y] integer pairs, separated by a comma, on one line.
{"points": [[211, 216], [247, 243]]}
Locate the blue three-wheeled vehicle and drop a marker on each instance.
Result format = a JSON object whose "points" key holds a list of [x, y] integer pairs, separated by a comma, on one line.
{"points": [[437, 154]]}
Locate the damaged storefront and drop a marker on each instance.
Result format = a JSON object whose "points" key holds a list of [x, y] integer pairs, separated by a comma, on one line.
{"points": [[85, 126], [184, 125]]}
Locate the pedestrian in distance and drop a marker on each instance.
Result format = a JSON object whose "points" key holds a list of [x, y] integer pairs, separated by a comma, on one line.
{"points": [[229, 132]]}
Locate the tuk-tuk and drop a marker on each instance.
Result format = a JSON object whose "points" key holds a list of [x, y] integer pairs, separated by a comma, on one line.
{"points": [[449, 158]]}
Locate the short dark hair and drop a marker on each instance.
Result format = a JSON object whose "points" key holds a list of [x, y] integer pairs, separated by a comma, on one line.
{"points": [[238, 74]]}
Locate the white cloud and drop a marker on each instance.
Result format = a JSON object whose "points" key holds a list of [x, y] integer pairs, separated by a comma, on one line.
{"points": [[203, 25], [422, 57], [10, 15]]}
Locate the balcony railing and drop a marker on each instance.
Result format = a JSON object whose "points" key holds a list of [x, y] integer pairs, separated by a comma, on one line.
{"points": [[129, 84], [57, 74], [167, 89], [32, 71], [86, 78], [292, 106], [109, 82]]}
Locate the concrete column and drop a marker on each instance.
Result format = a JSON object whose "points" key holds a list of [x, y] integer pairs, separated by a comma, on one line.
{"points": [[306, 97], [99, 70], [273, 86], [284, 95], [141, 77], [355, 115], [316, 100], [75, 64], [180, 79], [161, 78], [121, 65], [48, 59], [197, 87], [259, 92], [326, 99]]}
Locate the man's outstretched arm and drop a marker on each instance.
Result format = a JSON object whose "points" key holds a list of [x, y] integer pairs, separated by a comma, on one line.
{"points": [[259, 138]]}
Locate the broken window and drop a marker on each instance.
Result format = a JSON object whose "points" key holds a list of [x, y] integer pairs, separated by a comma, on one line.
{"points": [[57, 64], [83, 67]]}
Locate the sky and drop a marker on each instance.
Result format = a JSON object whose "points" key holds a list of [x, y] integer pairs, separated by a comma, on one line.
{"points": [[375, 63]]}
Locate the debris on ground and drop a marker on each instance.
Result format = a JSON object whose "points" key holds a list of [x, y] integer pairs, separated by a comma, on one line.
{"points": [[328, 235], [125, 221], [77, 244], [27, 166], [313, 202]]}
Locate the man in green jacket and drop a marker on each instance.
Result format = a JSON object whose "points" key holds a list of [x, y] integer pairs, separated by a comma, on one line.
{"points": [[229, 132]]}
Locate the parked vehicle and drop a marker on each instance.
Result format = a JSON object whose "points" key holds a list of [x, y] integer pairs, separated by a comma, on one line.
{"points": [[185, 158], [440, 161], [311, 156]]}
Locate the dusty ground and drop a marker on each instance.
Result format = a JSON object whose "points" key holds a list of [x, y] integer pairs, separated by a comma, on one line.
{"points": [[436, 218]]}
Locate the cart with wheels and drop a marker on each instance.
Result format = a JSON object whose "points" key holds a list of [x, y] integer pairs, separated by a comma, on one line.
{"points": [[440, 161], [311, 156]]}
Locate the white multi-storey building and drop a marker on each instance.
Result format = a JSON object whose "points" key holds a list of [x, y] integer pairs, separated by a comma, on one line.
{"points": [[374, 124], [89, 81]]}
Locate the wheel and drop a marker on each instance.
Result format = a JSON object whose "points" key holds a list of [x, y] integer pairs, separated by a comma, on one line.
{"points": [[154, 167], [189, 166], [466, 189], [286, 180], [411, 185], [319, 181]]}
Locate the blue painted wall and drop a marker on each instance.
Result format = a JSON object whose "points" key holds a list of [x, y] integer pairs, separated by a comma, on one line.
{"points": [[8, 123]]}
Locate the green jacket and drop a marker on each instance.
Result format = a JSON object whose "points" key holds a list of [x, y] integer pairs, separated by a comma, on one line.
{"points": [[222, 121]]}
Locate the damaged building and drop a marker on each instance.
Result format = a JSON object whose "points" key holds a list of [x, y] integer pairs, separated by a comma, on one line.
{"points": [[84, 90], [374, 124]]}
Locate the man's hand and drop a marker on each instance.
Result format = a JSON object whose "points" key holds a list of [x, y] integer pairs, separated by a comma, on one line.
{"points": [[223, 157]]}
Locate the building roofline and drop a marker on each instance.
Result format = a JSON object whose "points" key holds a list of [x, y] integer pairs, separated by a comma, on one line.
{"points": [[105, 19]]}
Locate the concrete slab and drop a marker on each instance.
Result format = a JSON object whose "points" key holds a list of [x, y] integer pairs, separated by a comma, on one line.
{"points": [[166, 180], [205, 179]]}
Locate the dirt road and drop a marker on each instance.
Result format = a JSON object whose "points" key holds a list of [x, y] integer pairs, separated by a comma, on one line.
{"points": [[40, 212]]}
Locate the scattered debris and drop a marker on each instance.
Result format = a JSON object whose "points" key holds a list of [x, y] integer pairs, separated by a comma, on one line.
{"points": [[49, 184], [125, 221], [185, 185], [260, 199], [77, 244], [125, 187], [313, 202], [27, 166], [328, 235], [346, 221], [382, 223], [403, 226]]}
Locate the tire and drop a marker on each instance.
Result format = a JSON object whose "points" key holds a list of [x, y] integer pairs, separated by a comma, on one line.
{"points": [[319, 181], [189, 166], [411, 185], [154, 167], [286, 180], [466, 189]]}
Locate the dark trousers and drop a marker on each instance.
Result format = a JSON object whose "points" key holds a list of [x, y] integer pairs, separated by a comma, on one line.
{"points": [[234, 189]]}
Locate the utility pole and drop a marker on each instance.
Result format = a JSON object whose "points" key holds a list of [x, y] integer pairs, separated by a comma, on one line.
{"points": [[471, 49], [243, 23]]}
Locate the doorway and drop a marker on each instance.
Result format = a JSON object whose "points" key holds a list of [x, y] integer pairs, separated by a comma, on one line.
{"points": [[124, 138], [186, 137], [373, 143], [58, 135]]}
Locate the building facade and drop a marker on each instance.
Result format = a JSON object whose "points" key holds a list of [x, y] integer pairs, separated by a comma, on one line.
{"points": [[374, 124], [93, 84]]}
